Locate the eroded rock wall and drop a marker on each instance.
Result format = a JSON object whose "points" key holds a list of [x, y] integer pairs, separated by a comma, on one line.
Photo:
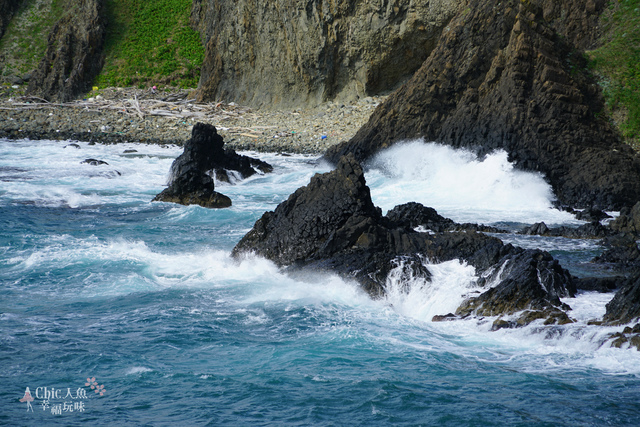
{"points": [[74, 55], [304, 52], [509, 75]]}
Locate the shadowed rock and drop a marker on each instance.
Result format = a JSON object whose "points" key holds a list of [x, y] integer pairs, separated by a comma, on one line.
{"points": [[625, 305], [74, 55], [7, 10], [505, 75]]}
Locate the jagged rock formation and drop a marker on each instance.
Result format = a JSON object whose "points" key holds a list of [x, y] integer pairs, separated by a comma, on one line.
{"points": [[505, 75], [628, 221], [7, 9], [332, 225], [74, 55], [304, 52], [192, 172], [625, 305]]}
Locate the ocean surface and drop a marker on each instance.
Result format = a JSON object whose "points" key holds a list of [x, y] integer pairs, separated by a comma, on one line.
{"points": [[118, 311]]}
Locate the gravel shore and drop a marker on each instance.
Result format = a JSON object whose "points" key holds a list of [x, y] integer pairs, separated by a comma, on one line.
{"points": [[116, 115]]}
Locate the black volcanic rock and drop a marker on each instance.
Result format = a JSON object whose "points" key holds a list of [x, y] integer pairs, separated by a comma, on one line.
{"points": [[332, 225], [412, 215], [625, 305], [628, 221], [529, 279], [593, 230], [192, 172], [506, 75]]}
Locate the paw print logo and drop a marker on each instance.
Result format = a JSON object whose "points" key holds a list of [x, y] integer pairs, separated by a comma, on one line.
{"points": [[91, 382]]}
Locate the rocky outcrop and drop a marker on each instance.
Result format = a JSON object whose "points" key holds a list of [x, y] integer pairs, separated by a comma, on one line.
{"points": [[304, 52], [593, 230], [506, 75], [332, 225], [414, 215], [530, 281], [628, 221], [192, 173], [7, 10], [74, 55], [625, 305]]}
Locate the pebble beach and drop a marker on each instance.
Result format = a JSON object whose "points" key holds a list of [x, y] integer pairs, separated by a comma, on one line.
{"points": [[117, 115]]}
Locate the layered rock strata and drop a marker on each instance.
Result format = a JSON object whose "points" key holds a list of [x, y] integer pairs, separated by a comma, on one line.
{"points": [[333, 225], [74, 55], [304, 52], [507, 75]]}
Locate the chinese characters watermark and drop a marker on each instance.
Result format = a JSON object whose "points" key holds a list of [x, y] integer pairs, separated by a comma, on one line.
{"points": [[59, 402]]}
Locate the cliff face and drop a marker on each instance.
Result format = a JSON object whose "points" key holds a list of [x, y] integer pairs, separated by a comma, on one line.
{"points": [[74, 53], [508, 75], [303, 52], [7, 9]]}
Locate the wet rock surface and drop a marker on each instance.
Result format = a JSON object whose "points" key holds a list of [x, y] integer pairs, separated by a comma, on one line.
{"points": [[74, 53], [191, 173], [332, 225], [513, 80]]}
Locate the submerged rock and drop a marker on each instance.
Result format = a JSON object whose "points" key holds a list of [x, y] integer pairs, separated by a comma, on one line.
{"points": [[593, 230], [94, 162], [507, 75], [333, 225]]}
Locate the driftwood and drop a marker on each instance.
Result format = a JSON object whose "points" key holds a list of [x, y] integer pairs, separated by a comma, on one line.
{"points": [[142, 104]]}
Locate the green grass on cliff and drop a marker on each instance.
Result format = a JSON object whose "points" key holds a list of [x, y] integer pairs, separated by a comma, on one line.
{"points": [[25, 42], [151, 43], [618, 62]]}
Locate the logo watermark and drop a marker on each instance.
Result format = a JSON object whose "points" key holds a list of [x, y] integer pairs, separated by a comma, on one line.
{"points": [[60, 401]]}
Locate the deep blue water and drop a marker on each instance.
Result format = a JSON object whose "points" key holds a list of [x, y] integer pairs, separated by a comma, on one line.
{"points": [[98, 282]]}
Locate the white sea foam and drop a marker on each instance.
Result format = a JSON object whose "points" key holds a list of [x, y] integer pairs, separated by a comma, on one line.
{"points": [[138, 370], [422, 298], [460, 186], [534, 348]]}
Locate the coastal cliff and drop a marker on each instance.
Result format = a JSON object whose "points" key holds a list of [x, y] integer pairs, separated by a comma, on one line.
{"points": [[509, 75], [294, 52]]}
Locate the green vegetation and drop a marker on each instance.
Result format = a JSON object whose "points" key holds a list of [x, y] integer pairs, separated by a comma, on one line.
{"points": [[618, 62], [25, 42], [151, 43]]}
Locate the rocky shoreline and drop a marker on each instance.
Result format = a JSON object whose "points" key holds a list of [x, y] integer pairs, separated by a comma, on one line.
{"points": [[118, 115]]}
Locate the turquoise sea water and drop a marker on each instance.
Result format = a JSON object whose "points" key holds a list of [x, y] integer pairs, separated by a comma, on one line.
{"points": [[144, 300]]}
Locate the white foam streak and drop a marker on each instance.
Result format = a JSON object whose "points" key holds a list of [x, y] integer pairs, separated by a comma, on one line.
{"points": [[461, 186]]}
